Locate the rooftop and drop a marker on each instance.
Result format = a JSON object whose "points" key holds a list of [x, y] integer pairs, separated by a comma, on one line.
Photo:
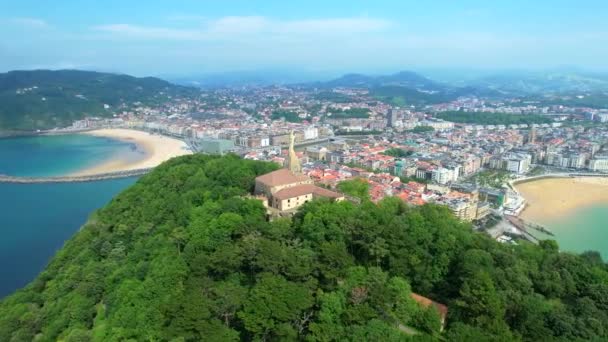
{"points": [[305, 189], [281, 177], [426, 302]]}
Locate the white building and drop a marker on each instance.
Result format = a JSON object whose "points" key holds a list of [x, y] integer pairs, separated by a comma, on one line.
{"points": [[444, 176], [601, 117], [599, 164], [438, 125], [513, 162], [311, 133], [518, 163]]}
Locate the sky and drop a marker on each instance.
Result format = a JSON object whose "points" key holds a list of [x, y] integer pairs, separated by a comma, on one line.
{"points": [[173, 37]]}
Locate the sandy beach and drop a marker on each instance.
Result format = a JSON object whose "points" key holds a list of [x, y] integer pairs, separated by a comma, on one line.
{"points": [[156, 149], [553, 198]]}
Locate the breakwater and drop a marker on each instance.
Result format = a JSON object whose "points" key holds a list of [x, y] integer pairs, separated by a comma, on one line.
{"points": [[73, 179]]}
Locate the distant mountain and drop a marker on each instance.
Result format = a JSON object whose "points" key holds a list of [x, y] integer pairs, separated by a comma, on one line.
{"points": [[42, 99], [237, 79], [403, 96], [521, 83], [407, 88], [407, 79]]}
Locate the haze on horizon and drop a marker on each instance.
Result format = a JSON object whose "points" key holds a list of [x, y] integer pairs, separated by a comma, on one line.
{"points": [[168, 38]]}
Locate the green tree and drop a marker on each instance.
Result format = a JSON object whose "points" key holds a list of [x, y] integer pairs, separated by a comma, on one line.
{"points": [[357, 188]]}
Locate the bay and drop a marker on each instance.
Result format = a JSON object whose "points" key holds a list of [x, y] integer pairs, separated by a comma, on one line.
{"points": [[37, 219], [57, 155], [585, 229]]}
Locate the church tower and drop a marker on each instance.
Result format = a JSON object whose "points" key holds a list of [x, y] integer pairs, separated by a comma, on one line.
{"points": [[293, 163]]}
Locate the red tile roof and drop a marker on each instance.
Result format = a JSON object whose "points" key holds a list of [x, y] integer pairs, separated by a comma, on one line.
{"points": [[281, 177], [426, 302], [305, 189]]}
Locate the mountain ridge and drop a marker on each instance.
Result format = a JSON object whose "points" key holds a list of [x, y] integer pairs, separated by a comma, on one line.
{"points": [[44, 99]]}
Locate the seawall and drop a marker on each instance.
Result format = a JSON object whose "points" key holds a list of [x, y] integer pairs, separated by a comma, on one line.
{"points": [[71, 179]]}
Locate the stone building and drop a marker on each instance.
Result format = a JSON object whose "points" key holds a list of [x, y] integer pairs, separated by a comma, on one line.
{"points": [[287, 189]]}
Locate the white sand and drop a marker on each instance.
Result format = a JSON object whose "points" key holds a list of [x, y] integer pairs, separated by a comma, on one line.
{"points": [[157, 149], [552, 198]]}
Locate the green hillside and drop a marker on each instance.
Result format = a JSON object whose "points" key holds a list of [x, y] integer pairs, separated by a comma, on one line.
{"points": [[403, 96], [42, 99], [185, 255], [487, 118]]}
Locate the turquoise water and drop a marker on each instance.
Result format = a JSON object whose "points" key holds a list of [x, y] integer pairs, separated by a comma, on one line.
{"points": [[584, 230], [36, 219], [60, 154]]}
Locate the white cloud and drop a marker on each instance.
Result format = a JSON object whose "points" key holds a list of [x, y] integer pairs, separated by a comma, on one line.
{"points": [[234, 27], [187, 18], [29, 22], [147, 32], [237, 42]]}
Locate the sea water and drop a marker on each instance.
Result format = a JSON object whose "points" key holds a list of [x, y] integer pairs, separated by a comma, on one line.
{"points": [[36, 219], [584, 229]]}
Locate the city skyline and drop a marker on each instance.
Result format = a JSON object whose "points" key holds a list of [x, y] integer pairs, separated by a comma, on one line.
{"points": [[190, 37]]}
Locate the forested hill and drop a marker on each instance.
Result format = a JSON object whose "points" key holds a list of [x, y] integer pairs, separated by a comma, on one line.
{"points": [[185, 255], [42, 99]]}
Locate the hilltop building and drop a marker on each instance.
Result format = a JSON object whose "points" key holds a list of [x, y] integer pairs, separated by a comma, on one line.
{"points": [[425, 302], [285, 190]]}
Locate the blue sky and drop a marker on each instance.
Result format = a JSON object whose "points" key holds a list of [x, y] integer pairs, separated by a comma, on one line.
{"points": [[183, 37]]}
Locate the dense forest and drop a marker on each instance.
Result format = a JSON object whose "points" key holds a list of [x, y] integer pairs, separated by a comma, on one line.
{"points": [[186, 254], [288, 115], [597, 100], [404, 96], [333, 97], [42, 99], [351, 113], [487, 118], [422, 129]]}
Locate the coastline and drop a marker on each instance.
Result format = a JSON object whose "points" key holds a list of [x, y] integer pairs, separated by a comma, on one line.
{"points": [[155, 150], [551, 199]]}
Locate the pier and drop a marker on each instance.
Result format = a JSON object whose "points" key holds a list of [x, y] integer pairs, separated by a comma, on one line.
{"points": [[73, 179], [524, 226]]}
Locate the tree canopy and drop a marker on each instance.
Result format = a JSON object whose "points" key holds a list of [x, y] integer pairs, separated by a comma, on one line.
{"points": [[422, 129], [398, 152], [186, 254], [359, 113], [486, 118], [288, 115]]}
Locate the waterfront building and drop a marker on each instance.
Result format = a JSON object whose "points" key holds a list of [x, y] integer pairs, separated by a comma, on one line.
{"points": [[513, 162], [599, 164], [464, 209]]}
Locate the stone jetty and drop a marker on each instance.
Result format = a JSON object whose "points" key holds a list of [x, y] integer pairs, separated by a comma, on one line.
{"points": [[72, 179]]}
